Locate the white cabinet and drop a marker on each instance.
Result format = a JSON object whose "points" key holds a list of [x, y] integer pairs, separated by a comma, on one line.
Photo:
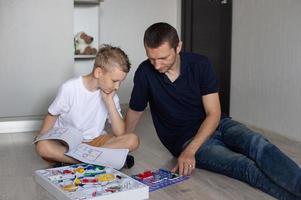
{"points": [[86, 19]]}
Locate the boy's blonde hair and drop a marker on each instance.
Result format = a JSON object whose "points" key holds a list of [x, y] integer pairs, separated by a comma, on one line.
{"points": [[108, 56]]}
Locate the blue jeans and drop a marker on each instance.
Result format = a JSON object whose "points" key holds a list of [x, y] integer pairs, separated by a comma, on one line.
{"points": [[238, 152]]}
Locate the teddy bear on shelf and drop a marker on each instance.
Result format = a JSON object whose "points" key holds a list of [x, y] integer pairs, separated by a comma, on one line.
{"points": [[82, 44]]}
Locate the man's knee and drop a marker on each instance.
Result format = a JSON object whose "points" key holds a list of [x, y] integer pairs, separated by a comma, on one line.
{"points": [[260, 143], [133, 141]]}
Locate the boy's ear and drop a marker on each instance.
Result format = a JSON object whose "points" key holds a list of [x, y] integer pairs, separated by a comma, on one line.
{"points": [[98, 72]]}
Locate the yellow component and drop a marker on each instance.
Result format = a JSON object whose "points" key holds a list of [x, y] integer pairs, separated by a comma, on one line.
{"points": [[106, 177], [80, 170], [70, 188], [76, 181]]}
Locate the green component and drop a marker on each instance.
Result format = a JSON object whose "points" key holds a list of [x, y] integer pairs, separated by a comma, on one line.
{"points": [[99, 167]]}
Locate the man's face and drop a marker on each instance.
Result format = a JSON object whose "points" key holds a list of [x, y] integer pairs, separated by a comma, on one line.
{"points": [[163, 57], [110, 80]]}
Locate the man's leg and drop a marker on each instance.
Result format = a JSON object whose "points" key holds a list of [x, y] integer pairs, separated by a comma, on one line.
{"points": [[53, 150], [269, 159], [215, 156]]}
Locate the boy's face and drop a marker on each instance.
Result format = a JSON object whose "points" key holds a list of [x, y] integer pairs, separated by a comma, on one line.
{"points": [[109, 80], [163, 58]]}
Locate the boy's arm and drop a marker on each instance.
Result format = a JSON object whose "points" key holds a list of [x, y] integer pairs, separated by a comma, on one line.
{"points": [[48, 123], [117, 123]]}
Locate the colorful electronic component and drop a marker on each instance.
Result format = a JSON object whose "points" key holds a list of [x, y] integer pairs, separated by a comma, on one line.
{"points": [[159, 179], [86, 181]]}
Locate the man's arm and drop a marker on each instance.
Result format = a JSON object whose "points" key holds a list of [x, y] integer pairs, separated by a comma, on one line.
{"points": [[131, 120], [186, 161], [48, 123]]}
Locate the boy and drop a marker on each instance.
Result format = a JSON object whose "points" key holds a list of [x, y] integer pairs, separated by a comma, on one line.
{"points": [[85, 103]]}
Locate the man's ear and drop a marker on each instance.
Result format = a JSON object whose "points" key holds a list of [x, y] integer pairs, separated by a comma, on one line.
{"points": [[98, 72], [179, 47]]}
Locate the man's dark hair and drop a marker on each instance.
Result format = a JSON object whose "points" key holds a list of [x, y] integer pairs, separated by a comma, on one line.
{"points": [[161, 32]]}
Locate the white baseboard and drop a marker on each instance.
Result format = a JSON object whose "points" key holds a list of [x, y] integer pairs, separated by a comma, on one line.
{"points": [[20, 126]]}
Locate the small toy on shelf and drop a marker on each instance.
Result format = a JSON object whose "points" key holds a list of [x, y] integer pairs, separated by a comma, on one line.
{"points": [[82, 44]]}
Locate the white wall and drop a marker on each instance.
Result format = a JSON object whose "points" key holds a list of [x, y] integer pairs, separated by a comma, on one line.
{"points": [[37, 46], [36, 54], [266, 65], [123, 23]]}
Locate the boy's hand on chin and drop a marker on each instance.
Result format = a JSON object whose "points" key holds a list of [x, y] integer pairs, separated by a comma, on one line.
{"points": [[107, 97]]}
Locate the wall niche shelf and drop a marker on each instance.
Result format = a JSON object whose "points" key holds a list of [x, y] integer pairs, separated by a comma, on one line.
{"points": [[86, 18], [84, 56], [87, 1]]}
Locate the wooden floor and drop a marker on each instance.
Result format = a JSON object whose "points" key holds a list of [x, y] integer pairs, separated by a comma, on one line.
{"points": [[18, 161]]}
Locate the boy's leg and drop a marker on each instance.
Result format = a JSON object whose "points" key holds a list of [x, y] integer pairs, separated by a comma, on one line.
{"points": [[215, 156], [100, 140], [53, 151], [269, 159], [127, 141]]}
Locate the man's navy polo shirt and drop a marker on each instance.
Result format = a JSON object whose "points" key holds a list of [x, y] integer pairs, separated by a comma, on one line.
{"points": [[176, 107]]}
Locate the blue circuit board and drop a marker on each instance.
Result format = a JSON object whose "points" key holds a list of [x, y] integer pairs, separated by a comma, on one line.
{"points": [[158, 179]]}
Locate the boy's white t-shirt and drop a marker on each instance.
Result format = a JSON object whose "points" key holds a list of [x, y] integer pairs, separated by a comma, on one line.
{"points": [[80, 108]]}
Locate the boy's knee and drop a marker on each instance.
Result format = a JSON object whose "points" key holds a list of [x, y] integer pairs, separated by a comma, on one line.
{"points": [[43, 149], [133, 141]]}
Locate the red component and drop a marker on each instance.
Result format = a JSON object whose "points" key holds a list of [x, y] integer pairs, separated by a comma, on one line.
{"points": [[145, 175], [66, 171], [85, 180]]}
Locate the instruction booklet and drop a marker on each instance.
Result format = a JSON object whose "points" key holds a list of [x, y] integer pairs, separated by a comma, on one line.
{"points": [[83, 152]]}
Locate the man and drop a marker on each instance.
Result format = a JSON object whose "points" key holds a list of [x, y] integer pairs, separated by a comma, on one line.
{"points": [[182, 92]]}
